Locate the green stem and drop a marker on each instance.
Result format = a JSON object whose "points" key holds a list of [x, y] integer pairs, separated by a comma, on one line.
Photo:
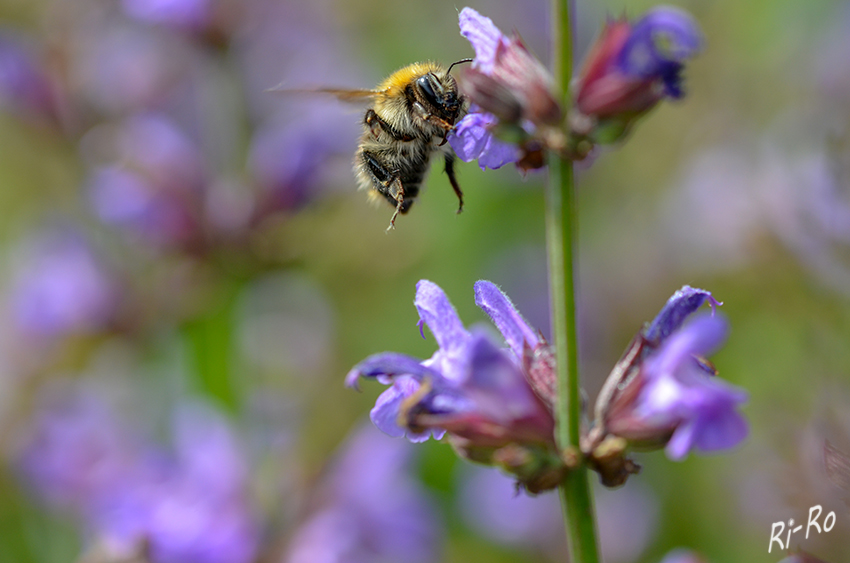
{"points": [[561, 230], [210, 339]]}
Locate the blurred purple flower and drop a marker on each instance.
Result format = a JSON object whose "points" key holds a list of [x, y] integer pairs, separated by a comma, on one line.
{"points": [[189, 14], [470, 387], [188, 505], [682, 556], [61, 286], [123, 198], [121, 68], [489, 504], [658, 44], [24, 85], [153, 185], [290, 158], [370, 509], [200, 513], [74, 450], [673, 397], [302, 145]]}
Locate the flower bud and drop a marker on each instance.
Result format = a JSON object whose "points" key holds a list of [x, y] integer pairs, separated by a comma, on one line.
{"points": [[631, 67]]}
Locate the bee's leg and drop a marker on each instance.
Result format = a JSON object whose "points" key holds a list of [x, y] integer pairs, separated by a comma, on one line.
{"points": [[387, 183], [450, 172], [373, 122], [377, 125], [440, 122], [399, 198], [431, 118]]}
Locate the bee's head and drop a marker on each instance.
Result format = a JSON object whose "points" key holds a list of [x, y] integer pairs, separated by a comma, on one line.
{"points": [[439, 95]]}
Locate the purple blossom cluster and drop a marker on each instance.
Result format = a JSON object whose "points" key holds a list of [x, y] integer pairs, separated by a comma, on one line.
{"points": [[664, 389], [143, 99], [492, 400], [188, 503], [61, 286], [186, 163], [515, 113], [471, 387], [370, 509], [146, 99]]}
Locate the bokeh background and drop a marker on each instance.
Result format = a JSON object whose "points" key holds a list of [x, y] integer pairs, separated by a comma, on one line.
{"points": [[187, 273]]}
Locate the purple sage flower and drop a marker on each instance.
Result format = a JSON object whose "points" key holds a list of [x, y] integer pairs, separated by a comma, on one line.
{"points": [[489, 505], [149, 180], [508, 87], [24, 85], [187, 14], [667, 392], [471, 387], [61, 286], [682, 555], [505, 78], [627, 518], [187, 504], [632, 66], [370, 509], [122, 67], [471, 140], [75, 450]]}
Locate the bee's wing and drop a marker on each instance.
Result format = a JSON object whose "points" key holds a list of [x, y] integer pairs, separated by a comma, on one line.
{"points": [[343, 94], [837, 466]]}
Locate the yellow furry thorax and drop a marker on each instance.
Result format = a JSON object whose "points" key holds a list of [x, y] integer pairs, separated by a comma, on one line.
{"points": [[395, 83]]}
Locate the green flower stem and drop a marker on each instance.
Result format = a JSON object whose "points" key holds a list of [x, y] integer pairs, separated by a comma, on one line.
{"points": [[561, 230], [210, 340]]}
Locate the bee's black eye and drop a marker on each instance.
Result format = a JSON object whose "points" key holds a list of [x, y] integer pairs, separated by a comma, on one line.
{"points": [[427, 90]]}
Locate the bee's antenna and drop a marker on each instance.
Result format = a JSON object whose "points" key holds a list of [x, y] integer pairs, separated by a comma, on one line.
{"points": [[457, 63]]}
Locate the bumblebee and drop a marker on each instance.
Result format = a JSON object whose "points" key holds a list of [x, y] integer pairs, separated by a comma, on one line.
{"points": [[409, 117]]}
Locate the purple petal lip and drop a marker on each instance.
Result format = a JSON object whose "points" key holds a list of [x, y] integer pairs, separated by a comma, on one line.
{"points": [[681, 305], [439, 314], [701, 337], [496, 385], [483, 35], [679, 392], [388, 364], [471, 139], [385, 412], [505, 316]]}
